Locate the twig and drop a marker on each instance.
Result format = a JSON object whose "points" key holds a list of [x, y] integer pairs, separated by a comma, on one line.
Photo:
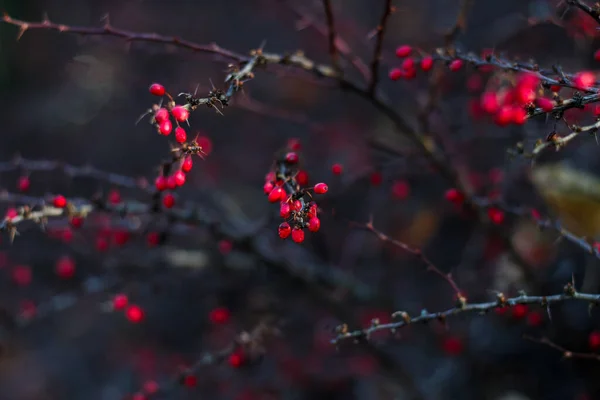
{"points": [[415, 252], [387, 11], [333, 50], [566, 353]]}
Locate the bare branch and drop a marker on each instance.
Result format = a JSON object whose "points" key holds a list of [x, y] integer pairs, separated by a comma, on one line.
{"points": [[387, 11]]}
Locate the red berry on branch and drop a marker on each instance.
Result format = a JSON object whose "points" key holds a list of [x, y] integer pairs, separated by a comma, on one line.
{"points": [[545, 104], [65, 267], [186, 165], [134, 313], [268, 187], [60, 201], [219, 315], [276, 195], [285, 210], [321, 188], [314, 224], [291, 158], [584, 80], [427, 63], [489, 102], [454, 196], [165, 127], [455, 65], [179, 178], [120, 301], [403, 51], [180, 135], [157, 89], [180, 113], [302, 178], [376, 178], [298, 235], [236, 359], [161, 115], [169, 200], [594, 340], [395, 74], [160, 183], [114, 197], [284, 230]]}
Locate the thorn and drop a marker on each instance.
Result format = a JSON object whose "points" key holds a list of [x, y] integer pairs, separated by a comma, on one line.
{"points": [[13, 232], [22, 30], [106, 19], [45, 19], [263, 44]]}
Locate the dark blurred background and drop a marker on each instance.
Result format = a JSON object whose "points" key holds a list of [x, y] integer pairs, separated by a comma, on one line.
{"points": [[76, 99]]}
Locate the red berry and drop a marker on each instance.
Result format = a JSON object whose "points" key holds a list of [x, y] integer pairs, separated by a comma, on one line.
{"points": [[496, 215], [314, 224], [400, 190], [76, 221], [180, 113], [535, 318], [584, 80], [408, 64], [276, 195], [65, 267], [169, 200], [157, 89], [294, 144], [302, 178], [403, 51], [285, 210], [236, 359], [321, 188], [114, 197], [153, 239], [161, 115], [171, 183], [395, 74], [121, 237], [268, 187], [165, 127], [160, 183], [150, 387], [134, 313], [296, 205], [519, 116], [284, 230], [23, 183], [489, 102], [120, 301], [410, 73], [298, 235], [186, 165], [219, 315], [291, 158], [190, 381], [504, 116], [594, 340], [60, 201], [180, 135], [453, 346], [455, 65], [337, 169], [376, 178], [545, 104], [454, 196], [519, 311], [426, 63], [179, 178]]}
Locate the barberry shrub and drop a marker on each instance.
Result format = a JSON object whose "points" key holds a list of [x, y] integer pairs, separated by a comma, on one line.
{"points": [[336, 221]]}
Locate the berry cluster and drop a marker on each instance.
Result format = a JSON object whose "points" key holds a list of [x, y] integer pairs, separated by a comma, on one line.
{"points": [[283, 185], [163, 118]]}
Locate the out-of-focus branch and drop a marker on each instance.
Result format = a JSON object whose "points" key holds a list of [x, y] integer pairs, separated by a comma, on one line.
{"points": [[331, 36], [566, 353], [387, 12]]}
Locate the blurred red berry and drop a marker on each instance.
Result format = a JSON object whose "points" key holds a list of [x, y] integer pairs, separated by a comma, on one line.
{"points": [[157, 89], [236, 359], [455, 65], [180, 135], [298, 235], [219, 315], [453, 346], [22, 275], [395, 74], [584, 80], [426, 63], [594, 340], [65, 267], [314, 224], [114, 197], [186, 165], [337, 169], [454, 196], [519, 311], [134, 313], [302, 178], [291, 158], [120, 301], [160, 183], [276, 195], [23, 183], [376, 178], [60, 201], [403, 51], [169, 200], [400, 190]]}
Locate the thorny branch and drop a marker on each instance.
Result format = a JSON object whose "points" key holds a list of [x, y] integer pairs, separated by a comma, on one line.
{"points": [[403, 318], [592, 11]]}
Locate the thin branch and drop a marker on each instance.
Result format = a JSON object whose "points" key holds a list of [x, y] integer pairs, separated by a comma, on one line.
{"points": [[403, 318], [593, 12], [566, 353], [333, 50], [417, 253], [387, 11]]}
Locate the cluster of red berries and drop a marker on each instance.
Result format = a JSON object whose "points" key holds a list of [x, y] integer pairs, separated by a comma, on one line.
{"points": [[408, 68], [295, 205], [162, 119]]}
